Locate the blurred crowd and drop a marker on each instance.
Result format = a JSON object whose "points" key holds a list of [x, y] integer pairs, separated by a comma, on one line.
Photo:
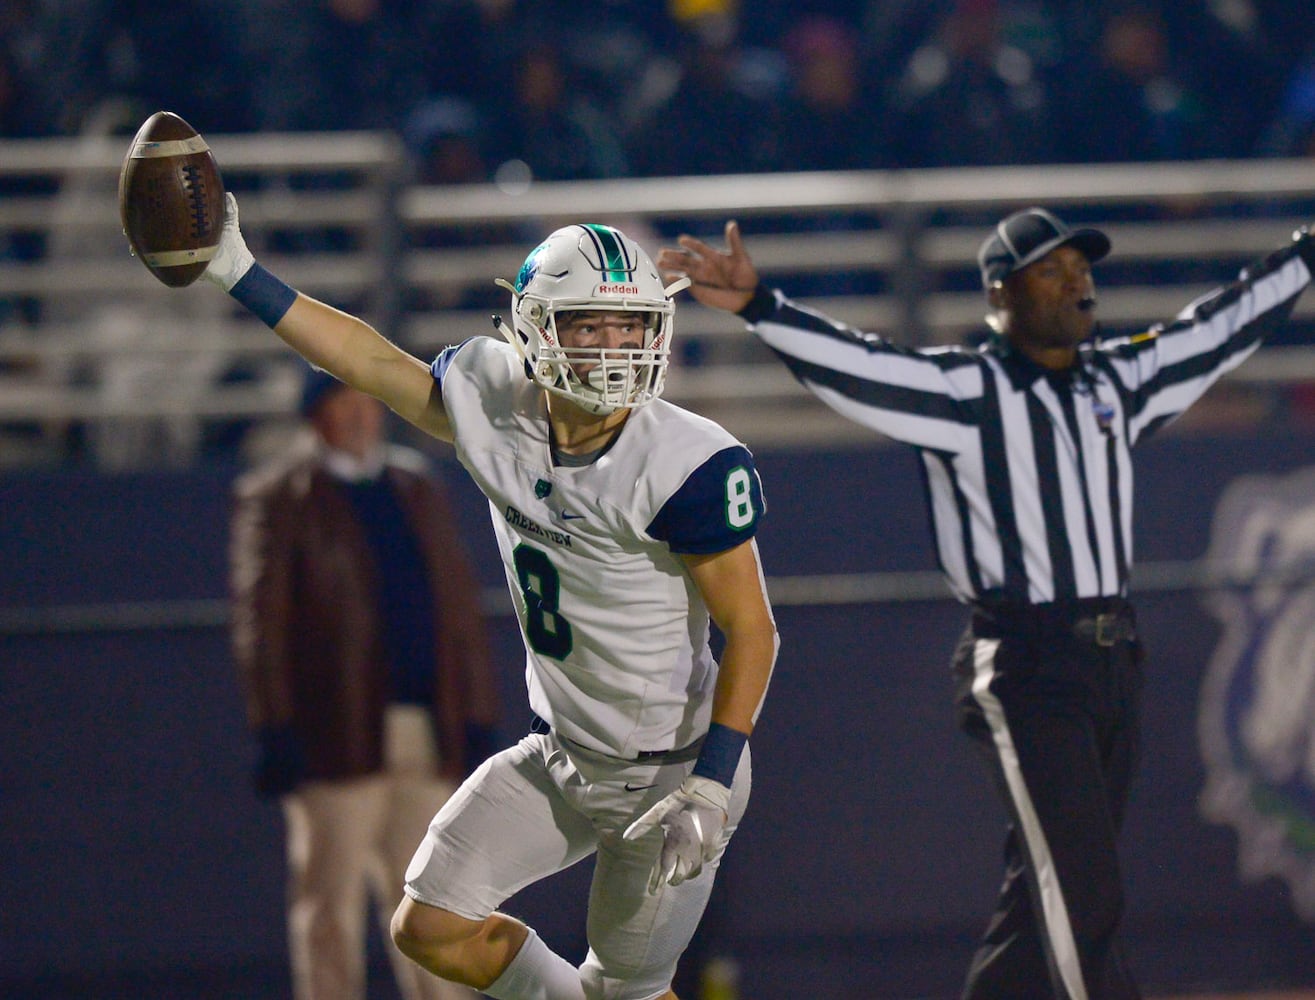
{"points": [[562, 90], [512, 91]]}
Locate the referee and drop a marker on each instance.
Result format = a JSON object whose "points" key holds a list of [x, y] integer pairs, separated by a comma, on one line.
{"points": [[1026, 444]]}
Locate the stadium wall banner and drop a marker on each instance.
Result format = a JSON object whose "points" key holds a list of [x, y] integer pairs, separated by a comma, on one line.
{"points": [[1256, 721]]}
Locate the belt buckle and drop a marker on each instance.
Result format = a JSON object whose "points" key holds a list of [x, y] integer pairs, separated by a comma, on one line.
{"points": [[1109, 629]]}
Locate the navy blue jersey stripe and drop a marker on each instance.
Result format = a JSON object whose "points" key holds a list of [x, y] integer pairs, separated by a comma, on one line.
{"points": [[443, 362]]}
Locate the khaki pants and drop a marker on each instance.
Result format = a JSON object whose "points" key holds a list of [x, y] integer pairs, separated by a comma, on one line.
{"points": [[349, 842]]}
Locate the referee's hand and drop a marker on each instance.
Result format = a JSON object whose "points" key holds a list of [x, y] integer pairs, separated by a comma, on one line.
{"points": [[691, 820], [720, 279]]}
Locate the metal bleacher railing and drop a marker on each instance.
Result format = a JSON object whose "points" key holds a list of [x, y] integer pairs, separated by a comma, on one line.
{"points": [[88, 337]]}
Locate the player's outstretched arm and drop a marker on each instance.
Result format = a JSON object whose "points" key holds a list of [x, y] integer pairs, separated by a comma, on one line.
{"points": [[719, 279], [343, 345]]}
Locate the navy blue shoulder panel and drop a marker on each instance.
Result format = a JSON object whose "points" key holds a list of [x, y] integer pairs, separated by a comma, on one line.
{"points": [[444, 360], [716, 508]]}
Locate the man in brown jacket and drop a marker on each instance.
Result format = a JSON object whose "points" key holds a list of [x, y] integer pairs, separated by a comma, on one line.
{"points": [[362, 655]]}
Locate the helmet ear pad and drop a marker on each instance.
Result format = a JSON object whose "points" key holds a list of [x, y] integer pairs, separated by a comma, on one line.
{"points": [[591, 268]]}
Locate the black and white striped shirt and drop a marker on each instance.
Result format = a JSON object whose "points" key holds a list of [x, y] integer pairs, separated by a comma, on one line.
{"points": [[1029, 472]]}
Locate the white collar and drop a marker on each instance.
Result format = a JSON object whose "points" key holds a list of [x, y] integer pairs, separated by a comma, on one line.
{"points": [[347, 467]]}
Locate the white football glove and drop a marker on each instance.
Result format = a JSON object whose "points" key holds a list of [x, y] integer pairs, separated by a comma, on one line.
{"points": [[692, 818], [232, 260]]}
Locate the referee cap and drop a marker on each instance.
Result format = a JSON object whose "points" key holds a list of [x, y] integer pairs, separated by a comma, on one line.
{"points": [[1027, 236]]}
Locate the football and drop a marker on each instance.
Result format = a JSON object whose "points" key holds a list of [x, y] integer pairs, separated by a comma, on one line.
{"points": [[171, 199]]}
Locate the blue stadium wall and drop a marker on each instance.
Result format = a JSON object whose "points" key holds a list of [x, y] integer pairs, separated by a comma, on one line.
{"points": [[135, 861]]}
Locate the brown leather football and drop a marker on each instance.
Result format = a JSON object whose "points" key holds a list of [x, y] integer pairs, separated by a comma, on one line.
{"points": [[171, 199]]}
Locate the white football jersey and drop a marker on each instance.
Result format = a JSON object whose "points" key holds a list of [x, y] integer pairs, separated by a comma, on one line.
{"points": [[616, 633]]}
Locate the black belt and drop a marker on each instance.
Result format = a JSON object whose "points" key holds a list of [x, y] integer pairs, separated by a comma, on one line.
{"points": [[1102, 620], [677, 756]]}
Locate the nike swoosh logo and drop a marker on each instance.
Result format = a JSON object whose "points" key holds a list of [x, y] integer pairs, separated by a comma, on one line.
{"points": [[637, 788], [572, 517]]}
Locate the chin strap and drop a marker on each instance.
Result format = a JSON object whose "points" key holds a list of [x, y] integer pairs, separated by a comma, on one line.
{"points": [[509, 335]]}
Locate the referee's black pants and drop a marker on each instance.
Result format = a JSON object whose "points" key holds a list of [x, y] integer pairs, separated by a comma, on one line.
{"points": [[1052, 698]]}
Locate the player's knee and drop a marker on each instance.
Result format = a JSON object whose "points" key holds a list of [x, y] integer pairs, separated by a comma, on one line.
{"points": [[405, 934], [432, 937]]}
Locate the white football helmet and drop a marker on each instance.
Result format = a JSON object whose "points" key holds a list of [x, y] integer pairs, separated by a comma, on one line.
{"points": [[591, 268]]}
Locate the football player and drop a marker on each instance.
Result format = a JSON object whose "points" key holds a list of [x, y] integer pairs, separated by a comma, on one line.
{"points": [[625, 523]]}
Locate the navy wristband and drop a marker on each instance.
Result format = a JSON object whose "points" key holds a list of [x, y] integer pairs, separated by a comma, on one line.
{"points": [[720, 755], [265, 295]]}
